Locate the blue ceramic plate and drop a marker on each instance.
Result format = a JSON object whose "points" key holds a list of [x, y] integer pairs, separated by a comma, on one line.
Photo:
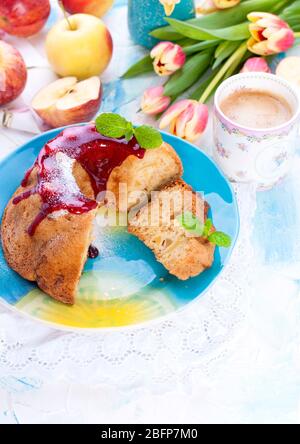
{"points": [[125, 285]]}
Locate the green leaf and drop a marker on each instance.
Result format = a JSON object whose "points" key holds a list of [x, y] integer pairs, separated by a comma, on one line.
{"points": [[191, 223], [220, 48], [148, 137], [188, 75], [291, 14], [207, 228], [233, 59], [218, 20], [233, 16], [227, 49], [286, 9], [237, 65], [129, 131], [197, 93], [166, 33], [192, 49], [220, 239], [189, 30], [234, 33], [143, 66], [111, 125], [115, 126], [186, 42]]}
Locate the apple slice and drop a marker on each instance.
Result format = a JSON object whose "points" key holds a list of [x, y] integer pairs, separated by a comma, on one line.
{"points": [[289, 69], [67, 101]]}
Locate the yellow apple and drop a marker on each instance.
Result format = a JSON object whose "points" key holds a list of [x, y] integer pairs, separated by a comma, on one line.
{"points": [[81, 46], [67, 101]]}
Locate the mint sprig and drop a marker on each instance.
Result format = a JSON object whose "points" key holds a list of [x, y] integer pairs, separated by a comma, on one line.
{"points": [[148, 137], [115, 126], [111, 125], [193, 225], [220, 239], [207, 228]]}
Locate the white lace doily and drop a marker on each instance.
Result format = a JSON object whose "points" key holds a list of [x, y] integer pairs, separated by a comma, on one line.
{"points": [[197, 335]]}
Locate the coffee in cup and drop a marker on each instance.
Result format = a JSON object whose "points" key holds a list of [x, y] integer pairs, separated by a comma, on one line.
{"points": [[256, 109]]}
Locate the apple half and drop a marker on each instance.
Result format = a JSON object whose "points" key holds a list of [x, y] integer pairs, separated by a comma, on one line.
{"points": [[67, 101]]}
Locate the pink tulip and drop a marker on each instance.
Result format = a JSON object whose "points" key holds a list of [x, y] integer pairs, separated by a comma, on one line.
{"points": [[187, 119], [270, 34], [154, 102], [169, 5], [256, 64], [168, 58]]}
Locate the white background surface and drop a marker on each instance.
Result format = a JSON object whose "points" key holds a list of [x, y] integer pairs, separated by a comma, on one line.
{"points": [[250, 375]]}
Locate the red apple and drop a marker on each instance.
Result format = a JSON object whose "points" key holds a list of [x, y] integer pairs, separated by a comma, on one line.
{"points": [[13, 73], [67, 101], [93, 7], [23, 18]]}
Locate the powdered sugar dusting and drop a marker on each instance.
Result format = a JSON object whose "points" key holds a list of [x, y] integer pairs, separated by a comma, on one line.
{"points": [[58, 214], [60, 178], [57, 186]]}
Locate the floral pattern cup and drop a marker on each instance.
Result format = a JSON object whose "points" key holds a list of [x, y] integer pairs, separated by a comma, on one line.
{"points": [[262, 156]]}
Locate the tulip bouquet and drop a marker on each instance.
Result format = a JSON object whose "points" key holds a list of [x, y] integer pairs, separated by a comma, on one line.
{"points": [[197, 55], [207, 6]]}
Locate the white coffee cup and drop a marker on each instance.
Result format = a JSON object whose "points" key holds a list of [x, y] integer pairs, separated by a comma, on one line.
{"points": [[263, 156]]}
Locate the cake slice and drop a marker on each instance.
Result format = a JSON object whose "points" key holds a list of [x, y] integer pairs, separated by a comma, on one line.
{"points": [[55, 256], [141, 176], [156, 224]]}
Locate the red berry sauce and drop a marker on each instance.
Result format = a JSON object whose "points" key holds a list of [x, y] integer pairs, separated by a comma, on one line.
{"points": [[56, 185]]}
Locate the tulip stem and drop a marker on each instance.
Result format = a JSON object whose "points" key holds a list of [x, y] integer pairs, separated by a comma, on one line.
{"points": [[65, 15], [236, 56], [279, 6]]}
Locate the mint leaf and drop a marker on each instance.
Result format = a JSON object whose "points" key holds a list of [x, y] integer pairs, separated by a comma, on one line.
{"points": [[207, 228], [115, 126], [148, 138], [129, 131], [112, 125], [220, 239], [191, 223]]}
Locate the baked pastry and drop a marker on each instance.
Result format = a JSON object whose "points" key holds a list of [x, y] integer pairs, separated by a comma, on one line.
{"points": [[55, 255], [141, 176], [156, 224], [47, 226]]}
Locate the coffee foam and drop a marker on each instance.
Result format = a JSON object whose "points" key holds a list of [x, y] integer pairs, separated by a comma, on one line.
{"points": [[256, 109]]}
